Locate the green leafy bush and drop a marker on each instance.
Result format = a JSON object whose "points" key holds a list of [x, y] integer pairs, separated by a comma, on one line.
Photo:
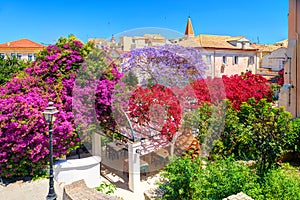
{"points": [[195, 179], [294, 136], [282, 183], [192, 179], [234, 140], [269, 129], [10, 67], [106, 188], [258, 131]]}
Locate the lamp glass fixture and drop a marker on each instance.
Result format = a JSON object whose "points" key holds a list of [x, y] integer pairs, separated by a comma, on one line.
{"points": [[49, 113]]}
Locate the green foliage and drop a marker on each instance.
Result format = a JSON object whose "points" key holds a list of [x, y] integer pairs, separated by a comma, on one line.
{"points": [[195, 179], [41, 175], [269, 129], [200, 119], [257, 131], [130, 79], [209, 121], [275, 91], [294, 136], [9, 67], [234, 140], [106, 188], [282, 183]]}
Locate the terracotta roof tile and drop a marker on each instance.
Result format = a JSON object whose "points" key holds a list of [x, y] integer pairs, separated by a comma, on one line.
{"points": [[22, 43], [213, 41], [283, 43], [266, 47]]}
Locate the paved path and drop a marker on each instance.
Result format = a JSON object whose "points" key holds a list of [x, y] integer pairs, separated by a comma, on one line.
{"points": [[38, 190], [34, 190]]}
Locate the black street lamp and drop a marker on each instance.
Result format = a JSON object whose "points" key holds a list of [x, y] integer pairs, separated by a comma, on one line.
{"points": [[50, 118]]}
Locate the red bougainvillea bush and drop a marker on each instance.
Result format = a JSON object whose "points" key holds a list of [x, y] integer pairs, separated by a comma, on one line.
{"points": [[280, 80], [148, 105], [238, 89], [24, 139]]}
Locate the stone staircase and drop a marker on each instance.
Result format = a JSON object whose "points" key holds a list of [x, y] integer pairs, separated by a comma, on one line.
{"points": [[79, 191]]}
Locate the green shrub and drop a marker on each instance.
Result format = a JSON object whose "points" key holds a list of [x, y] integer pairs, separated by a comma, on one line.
{"points": [[280, 183], [269, 127], [294, 136], [106, 188], [258, 131], [234, 140], [10, 67], [193, 179]]}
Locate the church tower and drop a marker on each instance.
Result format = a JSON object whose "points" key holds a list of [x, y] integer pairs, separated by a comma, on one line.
{"points": [[189, 32]]}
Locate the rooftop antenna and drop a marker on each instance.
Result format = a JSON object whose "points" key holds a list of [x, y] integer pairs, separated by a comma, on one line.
{"points": [[257, 40]]}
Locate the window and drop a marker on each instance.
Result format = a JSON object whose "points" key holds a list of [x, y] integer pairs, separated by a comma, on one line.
{"points": [[29, 57], [281, 64], [2, 55], [224, 59], [235, 60], [208, 59], [19, 56], [251, 60], [13, 55]]}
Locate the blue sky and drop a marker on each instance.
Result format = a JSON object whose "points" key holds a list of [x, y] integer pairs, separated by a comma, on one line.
{"points": [[45, 21]]}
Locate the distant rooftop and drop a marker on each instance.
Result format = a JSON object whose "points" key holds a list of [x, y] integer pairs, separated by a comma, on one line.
{"points": [[215, 41], [22, 43]]}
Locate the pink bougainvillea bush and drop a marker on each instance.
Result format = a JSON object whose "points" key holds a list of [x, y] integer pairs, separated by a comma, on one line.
{"points": [[24, 139]]}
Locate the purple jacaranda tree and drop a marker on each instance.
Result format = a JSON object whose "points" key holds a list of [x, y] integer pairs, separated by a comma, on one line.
{"points": [[167, 65]]}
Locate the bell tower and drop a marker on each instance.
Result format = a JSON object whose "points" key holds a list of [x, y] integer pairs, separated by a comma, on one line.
{"points": [[189, 32]]}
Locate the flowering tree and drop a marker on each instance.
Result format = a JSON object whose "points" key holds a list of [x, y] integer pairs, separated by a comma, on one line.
{"points": [[167, 65], [164, 74], [24, 138], [92, 93], [147, 105], [240, 88]]}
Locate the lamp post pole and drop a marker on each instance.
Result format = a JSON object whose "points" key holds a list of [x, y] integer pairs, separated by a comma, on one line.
{"points": [[51, 195], [49, 116]]}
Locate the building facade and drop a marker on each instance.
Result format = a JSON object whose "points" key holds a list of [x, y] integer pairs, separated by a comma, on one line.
{"points": [[275, 60], [23, 49], [289, 95], [127, 43], [224, 55]]}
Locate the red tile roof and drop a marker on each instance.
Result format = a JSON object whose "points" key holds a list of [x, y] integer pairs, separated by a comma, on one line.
{"points": [[22, 43]]}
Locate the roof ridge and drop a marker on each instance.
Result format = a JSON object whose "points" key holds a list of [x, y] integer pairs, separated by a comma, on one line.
{"points": [[23, 42]]}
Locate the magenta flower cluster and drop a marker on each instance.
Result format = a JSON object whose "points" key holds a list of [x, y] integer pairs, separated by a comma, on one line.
{"points": [[24, 139]]}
